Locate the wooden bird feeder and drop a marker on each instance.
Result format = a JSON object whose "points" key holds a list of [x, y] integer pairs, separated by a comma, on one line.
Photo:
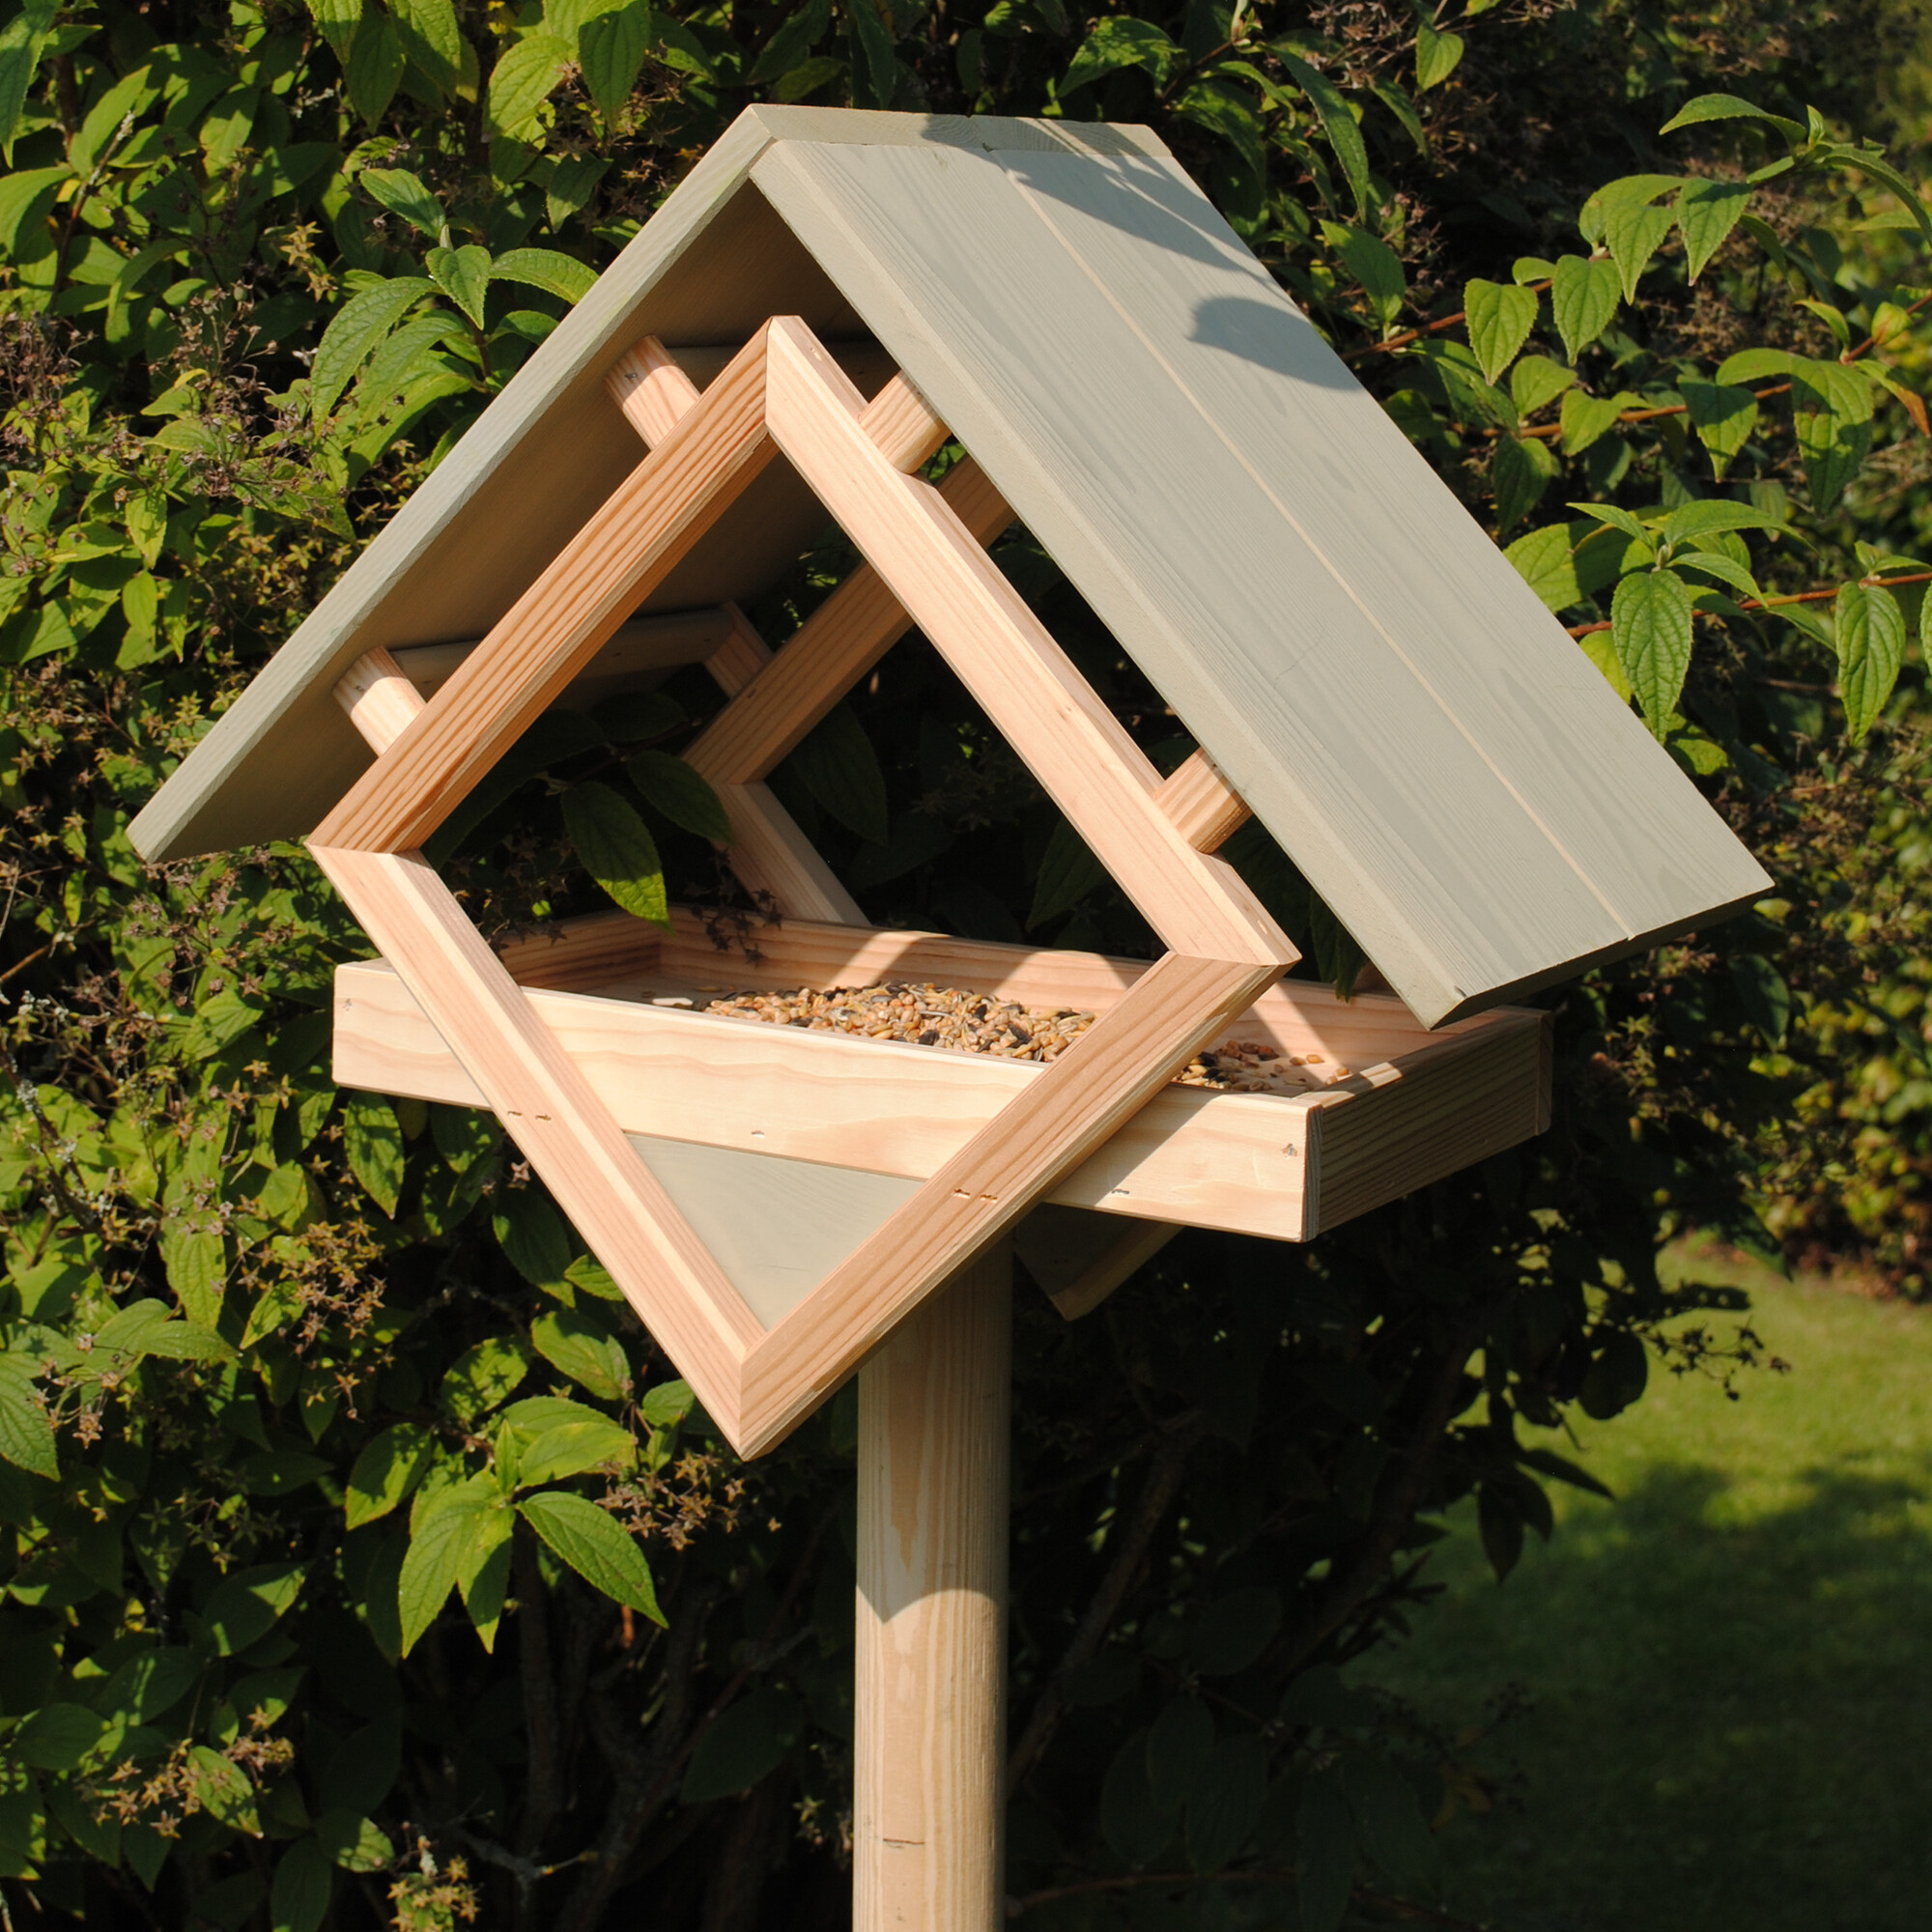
{"points": [[826, 300]]}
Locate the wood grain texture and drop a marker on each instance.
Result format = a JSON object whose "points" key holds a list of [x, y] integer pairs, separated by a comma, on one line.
{"points": [[775, 859], [907, 433], [1079, 1259], [379, 697], [930, 1667], [1067, 1111], [1298, 1016], [1027, 685], [1205, 809], [563, 1129], [1426, 1118], [741, 654], [1210, 1159], [473, 538], [1441, 761], [834, 648], [637, 652], [558, 625], [652, 389]]}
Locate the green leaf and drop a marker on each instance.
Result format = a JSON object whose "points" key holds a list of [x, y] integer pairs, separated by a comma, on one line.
{"points": [[523, 79], [666, 1403], [580, 1345], [1068, 872], [1727, 107], [1583, 299], [1834, 450], [432, 40], [1225, 1800], [402, 193], [1690, 520], [1617, 1377], [1374, 265], [617, 849], [1522, 469], [449, 1524], [244, 1607], [611, 50], [1765, 998], [592, 1277], [463, 274], [373, 1141], [151, 1683], [1619, 520], [298, 1899], [389, 1466], [1235, 1631], [1437, 55], [1586, 418], [1536, 382], [1543, 560], [1634, 231], [354, 1844], [1325, 1827], [21, 42], [375, 66], [1388, 1814], [360, 325], [683, 795], [872, 28], [280, 1473], [338, 20], [573, 1447], [142, 1329], [557, 275], [595, 1547], [1118, 41], [1868, 629], [836, 764], [1707, 211], [1726, 569], [1723, 417], [57, 1737], [742, 1746], [482, 1377], [1650, 619], [1500, 317], [533, 1236], [1338, 122], [26, 1434]]}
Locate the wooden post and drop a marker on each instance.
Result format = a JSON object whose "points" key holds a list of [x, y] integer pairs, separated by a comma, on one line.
{"points": [[935, 1411]]}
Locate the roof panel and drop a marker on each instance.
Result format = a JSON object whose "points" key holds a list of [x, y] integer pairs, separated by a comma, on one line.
{"points": [[1444, 764], [1435, 754]]}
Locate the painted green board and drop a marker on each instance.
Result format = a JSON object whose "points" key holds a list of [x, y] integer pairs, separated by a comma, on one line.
{"points": [[1448, 769], [1450, 772]]}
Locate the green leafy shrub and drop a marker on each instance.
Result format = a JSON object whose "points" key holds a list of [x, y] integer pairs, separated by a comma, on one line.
{"points": [[364, 1561]]}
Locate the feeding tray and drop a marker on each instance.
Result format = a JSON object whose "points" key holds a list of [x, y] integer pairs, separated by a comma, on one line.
{"points": [[1387, 1106]]}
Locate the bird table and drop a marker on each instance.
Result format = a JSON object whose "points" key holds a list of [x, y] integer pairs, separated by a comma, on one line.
{"points": [[829, 301]]}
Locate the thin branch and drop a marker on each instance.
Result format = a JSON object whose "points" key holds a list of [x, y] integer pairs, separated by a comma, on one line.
{"points": [[1399, 1501], [1163, 1481], [1796, 597]]}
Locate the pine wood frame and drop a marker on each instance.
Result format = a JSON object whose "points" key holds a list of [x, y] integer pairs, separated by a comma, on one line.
{"points": [[783, 393]]}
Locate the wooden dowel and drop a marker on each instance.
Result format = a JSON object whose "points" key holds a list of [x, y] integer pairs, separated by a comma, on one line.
{"points": [[934, 1422]]}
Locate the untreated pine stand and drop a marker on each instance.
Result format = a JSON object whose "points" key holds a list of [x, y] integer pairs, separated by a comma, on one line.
{"points": [[826, 304]]}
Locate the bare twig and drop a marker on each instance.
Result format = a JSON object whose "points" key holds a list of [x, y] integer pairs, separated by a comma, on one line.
{"points": [[1797, 597], [1163, 1481]]}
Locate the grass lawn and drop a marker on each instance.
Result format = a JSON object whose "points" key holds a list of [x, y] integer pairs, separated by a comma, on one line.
{"points": [[1729, 1669]]}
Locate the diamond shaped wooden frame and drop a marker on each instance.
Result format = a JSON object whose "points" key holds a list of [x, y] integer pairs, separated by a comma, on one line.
{"points": [[783, 393]]}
